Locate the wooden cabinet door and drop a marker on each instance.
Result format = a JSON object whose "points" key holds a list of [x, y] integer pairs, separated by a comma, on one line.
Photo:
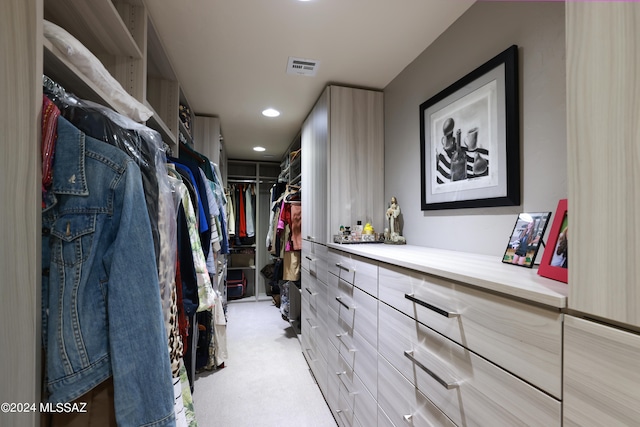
{"points": [[603, 134], [314, 146], [601, 375], [356, 166]]}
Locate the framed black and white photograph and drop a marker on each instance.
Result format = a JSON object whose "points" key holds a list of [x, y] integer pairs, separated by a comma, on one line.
{"points": [[470, 139]]}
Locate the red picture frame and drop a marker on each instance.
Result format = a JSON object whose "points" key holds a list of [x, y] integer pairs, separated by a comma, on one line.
{"points": [[554, 264]]}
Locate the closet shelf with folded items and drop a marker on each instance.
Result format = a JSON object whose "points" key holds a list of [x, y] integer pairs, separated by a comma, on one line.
{"points": [[120, 62]]}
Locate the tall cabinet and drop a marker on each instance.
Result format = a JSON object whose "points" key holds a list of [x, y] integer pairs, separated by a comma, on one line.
{"points": [[602, 338], [343, 168], [342, 181]]}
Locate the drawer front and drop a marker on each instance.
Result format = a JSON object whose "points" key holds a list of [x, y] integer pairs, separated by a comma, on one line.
{"points": [[314, 260], [403, 404], [521, 338], [355, 399], [601, 375], [468, 389], [318, 366], [383, 419], [313, 327], [353, 309], [355, 356], [315, 292], [355, 270]]}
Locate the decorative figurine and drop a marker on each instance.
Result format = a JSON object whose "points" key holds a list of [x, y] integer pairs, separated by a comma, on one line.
{"points": [[393, 216]]}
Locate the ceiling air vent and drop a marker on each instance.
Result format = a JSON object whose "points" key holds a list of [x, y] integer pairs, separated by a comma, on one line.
{"points": [[305, 67]]}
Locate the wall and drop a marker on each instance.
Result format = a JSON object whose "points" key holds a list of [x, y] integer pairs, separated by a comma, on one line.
{"points": [[485, 30]]}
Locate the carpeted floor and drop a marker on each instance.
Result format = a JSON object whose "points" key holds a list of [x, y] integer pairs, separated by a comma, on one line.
{"points": [[265, 382]]}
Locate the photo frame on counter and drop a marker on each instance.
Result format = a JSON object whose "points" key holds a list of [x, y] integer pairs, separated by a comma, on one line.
{"points": [[526, 238], [555, 259], [470, 139]]}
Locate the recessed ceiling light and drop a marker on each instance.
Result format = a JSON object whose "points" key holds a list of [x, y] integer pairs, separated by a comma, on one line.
{"points": [[259, 148], [270, 112]]}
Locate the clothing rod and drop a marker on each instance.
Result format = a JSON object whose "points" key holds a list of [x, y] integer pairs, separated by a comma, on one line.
{"points": [[249, 181]]}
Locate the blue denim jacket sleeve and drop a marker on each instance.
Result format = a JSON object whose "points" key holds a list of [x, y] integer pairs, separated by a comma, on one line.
{"points": [[136, 324]]}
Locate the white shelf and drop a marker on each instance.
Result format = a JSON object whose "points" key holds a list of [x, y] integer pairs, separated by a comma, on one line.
{"points": [[96, 24], [156, 122], [57, 67]]}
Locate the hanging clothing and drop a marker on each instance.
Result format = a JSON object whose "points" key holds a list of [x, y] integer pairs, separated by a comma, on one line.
{"points": [[97, 231], [231, 214], [140, 143], [50, 114], [249, 195], [206, 296], [242, 218]]}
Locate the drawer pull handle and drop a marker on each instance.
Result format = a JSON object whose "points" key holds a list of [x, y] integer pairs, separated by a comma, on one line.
{"points": [[342, 267], [339, 299], [310, 353], [351, 350], [448, 385], [313, 239], [407, 418], [309, 258], [341, 373], [354, 393], [440, 311], [311, 293]]}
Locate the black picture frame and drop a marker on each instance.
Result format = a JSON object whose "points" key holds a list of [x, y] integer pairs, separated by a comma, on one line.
{"points": [[483, 169], [526, 238]]}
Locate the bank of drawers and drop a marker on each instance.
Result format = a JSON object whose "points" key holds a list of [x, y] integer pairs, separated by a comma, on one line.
{"points": [[352, 324], [470, 390], [355, 270], [349, 399], [314, 308], [404, 405], [521, 338]]}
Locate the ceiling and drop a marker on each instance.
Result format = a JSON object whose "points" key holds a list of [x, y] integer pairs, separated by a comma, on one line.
{"points": [[231, 56]]}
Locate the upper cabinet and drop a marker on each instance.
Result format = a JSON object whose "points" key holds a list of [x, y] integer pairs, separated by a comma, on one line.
{"points": [[603, 130], [121, 34], [343, 162], [314, 143]]}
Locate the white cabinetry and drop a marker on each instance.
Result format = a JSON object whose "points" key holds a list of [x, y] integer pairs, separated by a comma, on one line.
{"points": [[343, 162], [412, 332], [603, 130], [353, 339], [314, 143], [601, 375], [601, 383], [314, 310]]}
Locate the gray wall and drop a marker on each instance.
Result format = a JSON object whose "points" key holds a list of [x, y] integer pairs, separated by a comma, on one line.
{"points": [[485, 30]]}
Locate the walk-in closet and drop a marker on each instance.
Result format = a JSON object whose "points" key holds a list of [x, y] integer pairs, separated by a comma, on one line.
{"points": [[244, 213]]}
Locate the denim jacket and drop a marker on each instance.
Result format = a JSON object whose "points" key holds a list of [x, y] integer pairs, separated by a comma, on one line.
{"points": [[102, 314]]}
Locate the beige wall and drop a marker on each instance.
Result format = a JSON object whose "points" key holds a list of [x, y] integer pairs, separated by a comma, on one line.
{"points": [[485, 30]]}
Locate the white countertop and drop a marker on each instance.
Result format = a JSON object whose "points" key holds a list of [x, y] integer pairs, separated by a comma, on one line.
{"points": [[483, 271]]}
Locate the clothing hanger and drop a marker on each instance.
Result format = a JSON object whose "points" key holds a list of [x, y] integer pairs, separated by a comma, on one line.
{"points": [[192, 153]]}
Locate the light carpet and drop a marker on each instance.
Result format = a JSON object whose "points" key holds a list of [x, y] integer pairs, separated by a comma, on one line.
{"points": [[266, 381]]}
